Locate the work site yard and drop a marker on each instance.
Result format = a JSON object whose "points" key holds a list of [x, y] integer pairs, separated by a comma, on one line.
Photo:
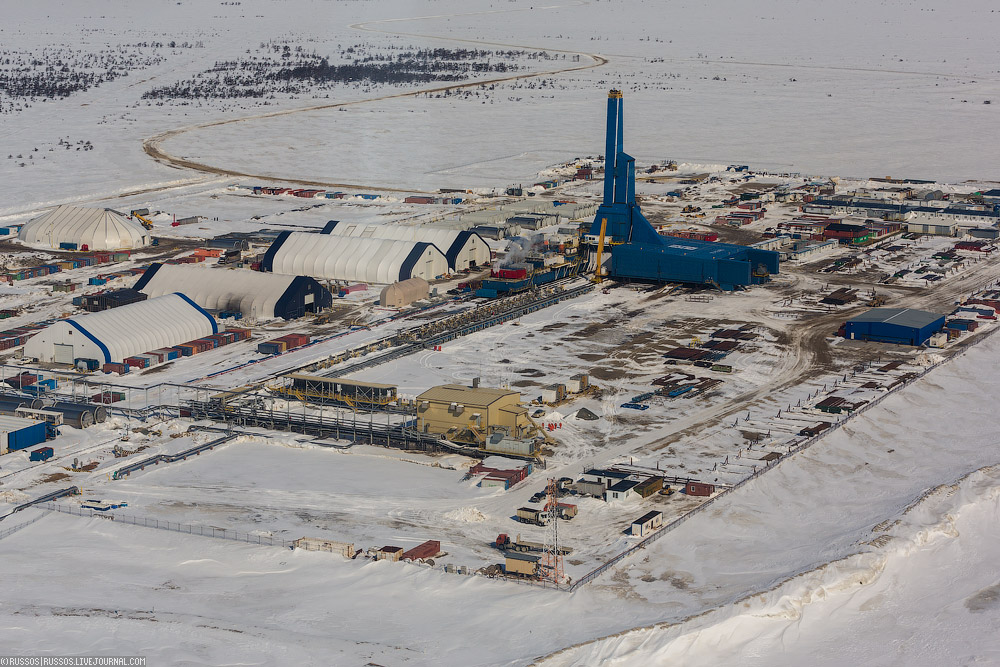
{"points": [[566, 335]]}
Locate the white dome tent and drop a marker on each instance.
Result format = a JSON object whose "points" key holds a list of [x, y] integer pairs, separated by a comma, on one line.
{"points": [[86, 228]]}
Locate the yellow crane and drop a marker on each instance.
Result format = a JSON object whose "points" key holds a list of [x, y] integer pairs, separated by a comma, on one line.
{"points": [[600, 251], [145, 223]]}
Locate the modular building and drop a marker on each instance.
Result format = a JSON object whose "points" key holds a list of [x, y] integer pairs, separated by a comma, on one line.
{"points": [[250, 293], [606, 477], [521, 564], [472, 414], [345, 549], [553, 393], [113, 335], [367, 260], [389, 553], [933, 228], [647, 523], [622, 491], [903, 326], [17, 433], [463, 249]]}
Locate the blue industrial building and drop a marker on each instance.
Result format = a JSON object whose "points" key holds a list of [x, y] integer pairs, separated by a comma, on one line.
{"points": [[638, 252], [17, 433], [903, 326]]}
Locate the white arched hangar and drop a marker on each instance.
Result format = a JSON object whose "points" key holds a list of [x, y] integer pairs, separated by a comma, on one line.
{"points": [[463, 249], [118, 333], [368, 260]]}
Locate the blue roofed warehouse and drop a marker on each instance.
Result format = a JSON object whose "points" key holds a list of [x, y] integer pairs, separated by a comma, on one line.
{"points": [[903, 326]]}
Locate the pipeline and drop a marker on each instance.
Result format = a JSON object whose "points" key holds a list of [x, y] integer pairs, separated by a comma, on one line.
{"points": [[125, 471]]}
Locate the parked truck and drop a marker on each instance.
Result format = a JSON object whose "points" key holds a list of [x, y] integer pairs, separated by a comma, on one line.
{"points": [[566, 511], [532, 515], [504, 542]]}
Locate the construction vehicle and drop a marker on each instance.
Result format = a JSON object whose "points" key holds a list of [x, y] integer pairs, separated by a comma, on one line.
{"points": [[691, 209], [145, 223], [503, 542], [875, 300], [532, 515]]}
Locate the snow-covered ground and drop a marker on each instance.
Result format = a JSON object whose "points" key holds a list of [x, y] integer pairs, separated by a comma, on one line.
{"points": [[784, 562], [875, 546]]}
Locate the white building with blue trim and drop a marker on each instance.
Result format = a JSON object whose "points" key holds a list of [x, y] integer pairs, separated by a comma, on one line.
{"points": [[112, 335]]}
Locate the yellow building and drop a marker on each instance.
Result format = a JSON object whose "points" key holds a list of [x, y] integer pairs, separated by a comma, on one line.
{"points": [[472, 414]]}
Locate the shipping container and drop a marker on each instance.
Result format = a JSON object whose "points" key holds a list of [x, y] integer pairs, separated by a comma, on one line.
{"points": [[22, 433], [41, 454]]}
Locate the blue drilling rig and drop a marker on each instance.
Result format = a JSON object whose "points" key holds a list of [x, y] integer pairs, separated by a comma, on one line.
{"points": [[639, 253]]}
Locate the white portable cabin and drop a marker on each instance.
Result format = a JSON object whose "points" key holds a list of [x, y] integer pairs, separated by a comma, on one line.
{"points": [[647, 523]]}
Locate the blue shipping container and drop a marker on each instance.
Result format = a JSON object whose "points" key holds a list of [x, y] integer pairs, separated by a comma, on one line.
{"points": [[41, 454], [25, 437]]}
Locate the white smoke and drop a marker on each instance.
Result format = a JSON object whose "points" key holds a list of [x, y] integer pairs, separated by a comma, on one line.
{"points": [[519, 248]]}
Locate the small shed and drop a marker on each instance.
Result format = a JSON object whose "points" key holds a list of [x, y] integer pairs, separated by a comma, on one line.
{"points": [[389, 553], [699, 489], [647, 523], [553, 393], [404, 292], [521, 564], [578, 383]]}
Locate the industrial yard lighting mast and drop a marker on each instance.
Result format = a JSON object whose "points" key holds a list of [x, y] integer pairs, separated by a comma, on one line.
{"points": [[552, 564]]}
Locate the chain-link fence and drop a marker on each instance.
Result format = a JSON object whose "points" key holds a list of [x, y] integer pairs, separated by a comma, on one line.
{"points": [[186, 528]]}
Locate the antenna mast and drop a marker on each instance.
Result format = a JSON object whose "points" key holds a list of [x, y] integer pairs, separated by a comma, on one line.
{"points": [[552, 563]]}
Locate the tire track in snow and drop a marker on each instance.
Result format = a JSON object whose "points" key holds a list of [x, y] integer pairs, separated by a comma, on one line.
{"points": [[153, 146]]}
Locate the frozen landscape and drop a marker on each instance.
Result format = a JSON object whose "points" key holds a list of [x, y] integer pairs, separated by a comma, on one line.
{"points": [[845, 494]]}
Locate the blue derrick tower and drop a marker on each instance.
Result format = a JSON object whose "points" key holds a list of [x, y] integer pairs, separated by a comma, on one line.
{"points": [[625, 220], [638, 252]]}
